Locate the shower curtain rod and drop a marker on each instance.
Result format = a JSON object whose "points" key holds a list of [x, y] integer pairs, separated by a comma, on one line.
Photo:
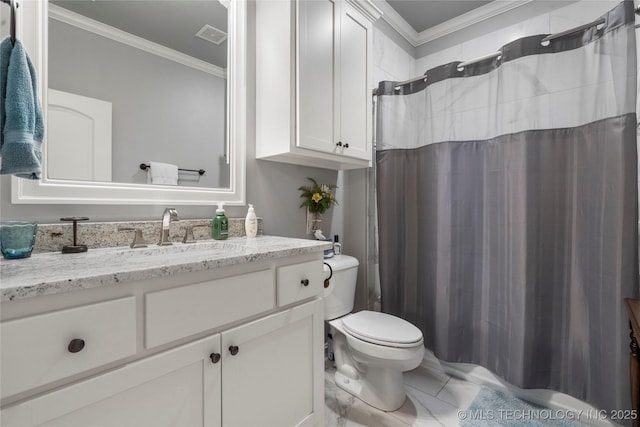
{"points": [[497, 54]]}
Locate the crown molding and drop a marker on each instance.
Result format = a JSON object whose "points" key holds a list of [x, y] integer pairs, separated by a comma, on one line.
{"points": [[367, 8], [398, 23], [80, 21], [458, 23]]}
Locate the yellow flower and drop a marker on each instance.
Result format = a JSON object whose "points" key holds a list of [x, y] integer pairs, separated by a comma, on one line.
{"points": [[316, 197]]}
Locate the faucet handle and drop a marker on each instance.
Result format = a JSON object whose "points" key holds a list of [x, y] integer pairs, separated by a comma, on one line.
{"points": [[138, 239], [188, 233]]}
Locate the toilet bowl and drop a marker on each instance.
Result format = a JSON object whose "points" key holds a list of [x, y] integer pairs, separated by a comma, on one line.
{"points": [[371, 349]]}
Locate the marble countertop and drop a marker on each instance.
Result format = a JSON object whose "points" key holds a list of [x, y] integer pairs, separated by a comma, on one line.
{"points": [[52, 273]]}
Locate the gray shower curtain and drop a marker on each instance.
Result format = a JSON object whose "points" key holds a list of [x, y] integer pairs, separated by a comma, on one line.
{"points": [[507, 207]]}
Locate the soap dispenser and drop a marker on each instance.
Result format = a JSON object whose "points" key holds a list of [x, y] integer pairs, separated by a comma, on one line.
{"points": [[220, 224], [251, 223]]}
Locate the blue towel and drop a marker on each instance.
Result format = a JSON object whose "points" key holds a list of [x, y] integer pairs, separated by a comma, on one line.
{"points": [[5, 53], [21, 123]]}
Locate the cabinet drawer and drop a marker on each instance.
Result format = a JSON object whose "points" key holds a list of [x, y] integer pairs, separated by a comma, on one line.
{"points": [[179, 312], [299, 281], [37, 350]]}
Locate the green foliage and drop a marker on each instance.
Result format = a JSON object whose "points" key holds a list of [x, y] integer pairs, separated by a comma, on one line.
{"points": [[318, 198]]}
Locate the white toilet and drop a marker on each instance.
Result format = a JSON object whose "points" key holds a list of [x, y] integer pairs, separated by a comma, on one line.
{"points": [[371, 349]]}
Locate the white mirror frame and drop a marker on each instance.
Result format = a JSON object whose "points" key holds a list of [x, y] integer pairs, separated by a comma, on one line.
{"points": [[32, 26]]}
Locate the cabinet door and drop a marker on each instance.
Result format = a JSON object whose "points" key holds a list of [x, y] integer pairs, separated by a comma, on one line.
{"points": [[316, 89], [275, 378], [355, 95], [179, 387]]}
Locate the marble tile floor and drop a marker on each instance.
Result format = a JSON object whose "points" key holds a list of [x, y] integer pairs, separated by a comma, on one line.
{"points": [[433, 399]]}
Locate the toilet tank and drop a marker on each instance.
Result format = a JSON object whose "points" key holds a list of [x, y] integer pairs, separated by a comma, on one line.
{"points": [[339, 295]]}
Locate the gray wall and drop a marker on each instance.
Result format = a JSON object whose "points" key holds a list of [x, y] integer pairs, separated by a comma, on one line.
{"points": [[163, 111], [382, 26], [271, 187], [354, 235]]}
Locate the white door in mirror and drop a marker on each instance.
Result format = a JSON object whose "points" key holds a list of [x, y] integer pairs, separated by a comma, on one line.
{"points": [[78, 137]]}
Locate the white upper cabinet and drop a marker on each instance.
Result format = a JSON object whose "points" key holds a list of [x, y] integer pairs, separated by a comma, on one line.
{"points": [[313, 66]]}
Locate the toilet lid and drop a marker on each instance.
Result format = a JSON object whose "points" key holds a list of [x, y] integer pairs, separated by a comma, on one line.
{"points": [[381, 328]]}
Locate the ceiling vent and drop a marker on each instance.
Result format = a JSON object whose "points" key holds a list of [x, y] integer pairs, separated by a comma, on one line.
{"points": [[212, 34]]}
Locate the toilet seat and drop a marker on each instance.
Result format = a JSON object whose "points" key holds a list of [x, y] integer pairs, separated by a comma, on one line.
{"points": [[382, 329]]}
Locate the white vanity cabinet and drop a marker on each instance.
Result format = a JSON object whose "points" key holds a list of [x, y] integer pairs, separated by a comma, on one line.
{"points": [[215, 347], [313, 67]]}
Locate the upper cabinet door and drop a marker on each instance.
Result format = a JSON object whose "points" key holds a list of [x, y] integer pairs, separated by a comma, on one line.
{"points": [[318, 23], [355, 97]]}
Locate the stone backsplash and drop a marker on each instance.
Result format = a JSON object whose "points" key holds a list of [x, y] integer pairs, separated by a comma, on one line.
{"points": [[52, 237]]}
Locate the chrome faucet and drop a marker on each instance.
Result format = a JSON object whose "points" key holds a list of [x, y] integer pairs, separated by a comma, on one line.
{"points": [[170, 214]]}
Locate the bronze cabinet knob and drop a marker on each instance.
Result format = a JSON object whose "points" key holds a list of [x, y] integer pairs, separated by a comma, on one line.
{"points": [[304, 282], [215, 357], [75, 345], [233, 350]]}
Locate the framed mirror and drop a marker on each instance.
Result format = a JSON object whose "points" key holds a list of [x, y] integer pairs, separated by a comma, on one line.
{"points": [[169, 101]]}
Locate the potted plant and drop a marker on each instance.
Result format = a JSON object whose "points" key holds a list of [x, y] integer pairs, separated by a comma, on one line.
{"points": [[317, 199]]}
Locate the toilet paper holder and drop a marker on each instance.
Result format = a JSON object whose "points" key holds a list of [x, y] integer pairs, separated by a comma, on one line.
{"points": [[326, 279]]}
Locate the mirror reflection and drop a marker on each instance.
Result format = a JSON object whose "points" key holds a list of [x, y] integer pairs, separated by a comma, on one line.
{"points": [[137, 82]]}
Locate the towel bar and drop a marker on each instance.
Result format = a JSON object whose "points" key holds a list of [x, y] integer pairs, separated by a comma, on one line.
{"points": [[145, 166]]}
